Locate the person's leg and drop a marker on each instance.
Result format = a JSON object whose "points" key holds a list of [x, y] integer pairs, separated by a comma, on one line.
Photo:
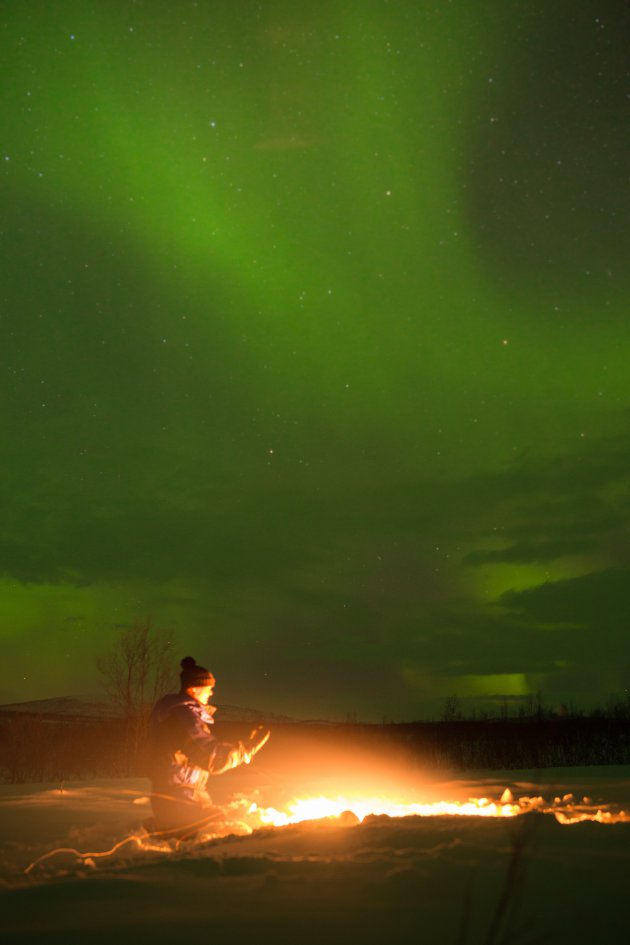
{"points": [[179, 818]]}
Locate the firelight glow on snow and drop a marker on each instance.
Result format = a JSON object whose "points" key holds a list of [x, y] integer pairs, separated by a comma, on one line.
{"points": [[240, 817]]}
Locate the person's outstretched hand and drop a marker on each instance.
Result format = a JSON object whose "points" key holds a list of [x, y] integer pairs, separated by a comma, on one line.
{"points": [[258, 737]]}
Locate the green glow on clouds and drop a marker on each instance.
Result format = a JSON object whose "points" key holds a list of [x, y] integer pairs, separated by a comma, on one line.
{"points": [[314, 347]]}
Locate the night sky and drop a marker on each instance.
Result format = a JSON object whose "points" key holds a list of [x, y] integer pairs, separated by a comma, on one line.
{"points": [[314, 348]]}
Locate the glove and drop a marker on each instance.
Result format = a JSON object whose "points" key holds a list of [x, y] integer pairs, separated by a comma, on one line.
{"points": [[227, 756], [258, 737]]}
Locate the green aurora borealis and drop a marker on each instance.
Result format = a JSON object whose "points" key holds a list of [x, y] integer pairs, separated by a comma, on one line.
{"points": [[314, 347]]}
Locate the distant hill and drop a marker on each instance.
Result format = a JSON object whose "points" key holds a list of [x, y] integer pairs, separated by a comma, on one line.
{"points": [[78, 707], [85, 707], [234, 713]]}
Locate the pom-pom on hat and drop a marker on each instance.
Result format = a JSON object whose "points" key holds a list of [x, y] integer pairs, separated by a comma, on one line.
{"points": [[194, 675]]}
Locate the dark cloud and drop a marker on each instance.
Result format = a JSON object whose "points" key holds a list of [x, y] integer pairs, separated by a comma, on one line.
{"points": [[599, 601], [531, 553], [572, 504]]}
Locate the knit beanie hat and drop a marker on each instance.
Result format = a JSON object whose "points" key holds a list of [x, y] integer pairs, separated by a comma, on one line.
{"points": [[194, 675]]}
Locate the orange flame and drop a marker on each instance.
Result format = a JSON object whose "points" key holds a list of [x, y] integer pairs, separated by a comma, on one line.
{"points": [[565, 810], [242, 817], [316, 808]]}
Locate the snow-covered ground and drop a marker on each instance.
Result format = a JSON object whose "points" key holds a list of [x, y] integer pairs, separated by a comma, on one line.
{"points": [[450, 879]]}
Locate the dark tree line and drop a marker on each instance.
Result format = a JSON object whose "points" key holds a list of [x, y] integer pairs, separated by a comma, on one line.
{"points": [[45, 749]]}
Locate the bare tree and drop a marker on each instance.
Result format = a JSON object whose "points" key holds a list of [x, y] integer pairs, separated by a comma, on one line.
{"points": [[137, 670], [452, 709]]}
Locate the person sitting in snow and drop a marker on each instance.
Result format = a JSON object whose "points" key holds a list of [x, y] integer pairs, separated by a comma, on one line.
{"points": [[184, 753]]}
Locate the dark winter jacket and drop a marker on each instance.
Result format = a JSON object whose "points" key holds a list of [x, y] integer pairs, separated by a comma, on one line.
{"points": [[183, 750]]}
